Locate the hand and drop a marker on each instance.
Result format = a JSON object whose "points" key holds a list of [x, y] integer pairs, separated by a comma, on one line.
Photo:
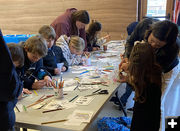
{"points": [[26, 91], [123, 60], [95, 48], [124, 67], [48, 81], [38, 84], [57, 71], [63, 68], [122, 78]]}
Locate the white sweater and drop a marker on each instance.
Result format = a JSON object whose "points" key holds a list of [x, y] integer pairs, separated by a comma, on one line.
{"points": [[72, 59]]}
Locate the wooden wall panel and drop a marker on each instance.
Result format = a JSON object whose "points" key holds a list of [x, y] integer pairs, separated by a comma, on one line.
{"points": [[27, 16]]}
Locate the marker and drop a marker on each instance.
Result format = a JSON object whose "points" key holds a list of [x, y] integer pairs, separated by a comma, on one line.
{"points": [[35, 93], [84, 72], [73, 98]]}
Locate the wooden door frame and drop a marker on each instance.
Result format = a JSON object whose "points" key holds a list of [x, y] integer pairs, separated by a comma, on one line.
{"points": [[142, 8]]}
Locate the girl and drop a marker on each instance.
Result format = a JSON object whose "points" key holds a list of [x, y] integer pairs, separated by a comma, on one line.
{"points": [[93, 43], [145, 77], [72, 48]]}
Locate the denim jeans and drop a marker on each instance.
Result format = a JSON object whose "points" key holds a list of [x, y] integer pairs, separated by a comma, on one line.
{"points": [[126, 95]]}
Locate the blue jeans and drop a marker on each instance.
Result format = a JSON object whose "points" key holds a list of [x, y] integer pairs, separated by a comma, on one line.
{"points": [[126, 95]]}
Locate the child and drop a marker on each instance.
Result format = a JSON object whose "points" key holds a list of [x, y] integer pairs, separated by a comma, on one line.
{"points": [[55, 54], [18, 61], [145, 77], [93, 43], [10, 88], [35, 75], [72, 48]]}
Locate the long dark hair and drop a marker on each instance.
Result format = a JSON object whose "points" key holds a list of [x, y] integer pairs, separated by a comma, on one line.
{"points": [[143, 70], [93, 28], [82, 16], [164, 31]]}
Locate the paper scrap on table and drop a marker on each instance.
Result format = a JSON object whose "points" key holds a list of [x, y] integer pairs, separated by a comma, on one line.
{"points": [[78, 117], [84, 100], [87, 87], [70, 84], [54, 104]]}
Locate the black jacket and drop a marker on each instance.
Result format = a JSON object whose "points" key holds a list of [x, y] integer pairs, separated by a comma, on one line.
{"points": [[146, 116], [166, 56], [32, 71], [11, 87], [91, 42], [53, 57]]}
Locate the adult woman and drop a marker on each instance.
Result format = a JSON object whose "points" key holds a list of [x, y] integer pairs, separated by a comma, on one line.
{"points": [[72, 22]]}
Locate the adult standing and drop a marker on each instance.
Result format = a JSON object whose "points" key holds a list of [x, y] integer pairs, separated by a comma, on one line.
{"points": [[72, 22]]}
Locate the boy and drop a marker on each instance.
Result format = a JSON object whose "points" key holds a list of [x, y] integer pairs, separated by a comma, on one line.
{"points": [[55, 54], [18, 61], [35, 75]]}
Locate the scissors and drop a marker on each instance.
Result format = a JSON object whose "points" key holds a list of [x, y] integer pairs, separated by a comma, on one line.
{"points": [[98, 92]]}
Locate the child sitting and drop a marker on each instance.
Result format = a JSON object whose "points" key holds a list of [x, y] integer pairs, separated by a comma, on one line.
{"points": [[18, 61], [145, 77], [55, 54], [93, 43], [35, 75], [72, 48]]}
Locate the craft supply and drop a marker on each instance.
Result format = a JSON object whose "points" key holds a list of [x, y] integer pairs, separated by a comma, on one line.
{"points": [[54, 121], [17, 109], [52, 110], [73, 98], [35, 93]]}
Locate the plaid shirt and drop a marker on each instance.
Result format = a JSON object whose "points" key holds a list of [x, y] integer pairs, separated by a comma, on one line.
{"points": [[72, 59]]}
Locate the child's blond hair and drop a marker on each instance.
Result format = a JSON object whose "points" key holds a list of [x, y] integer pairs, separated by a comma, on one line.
{"points": [[36, 45], [47, 32], [77, 43]]}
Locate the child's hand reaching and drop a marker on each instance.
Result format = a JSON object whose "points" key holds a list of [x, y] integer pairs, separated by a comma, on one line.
{"points": [[38, 84], [48, 81], [57, 71], [26, 91]]}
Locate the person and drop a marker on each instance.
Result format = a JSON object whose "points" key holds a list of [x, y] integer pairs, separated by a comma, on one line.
{"points": [[34, 74], [72, 22], [18, 61], [72, 48], [94, 29], [162, 36], [10, 88], [147, 87], [55, 54]]}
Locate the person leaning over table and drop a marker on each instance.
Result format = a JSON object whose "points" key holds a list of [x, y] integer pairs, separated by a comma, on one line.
{"points": [[72, 22], [72, 48], [11, 88], [162, 36], [18, 61], [34, 74], [55, 54], [147, 86], [93, 42]]}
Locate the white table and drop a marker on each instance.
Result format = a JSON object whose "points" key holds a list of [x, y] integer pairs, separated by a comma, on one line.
{"points": [[32, 119]]}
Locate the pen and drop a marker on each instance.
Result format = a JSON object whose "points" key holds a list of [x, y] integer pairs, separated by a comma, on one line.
{"points": [[97, 90], [54, 121], [17, 109], [52, 110], [73, 98], [84, 72]]}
